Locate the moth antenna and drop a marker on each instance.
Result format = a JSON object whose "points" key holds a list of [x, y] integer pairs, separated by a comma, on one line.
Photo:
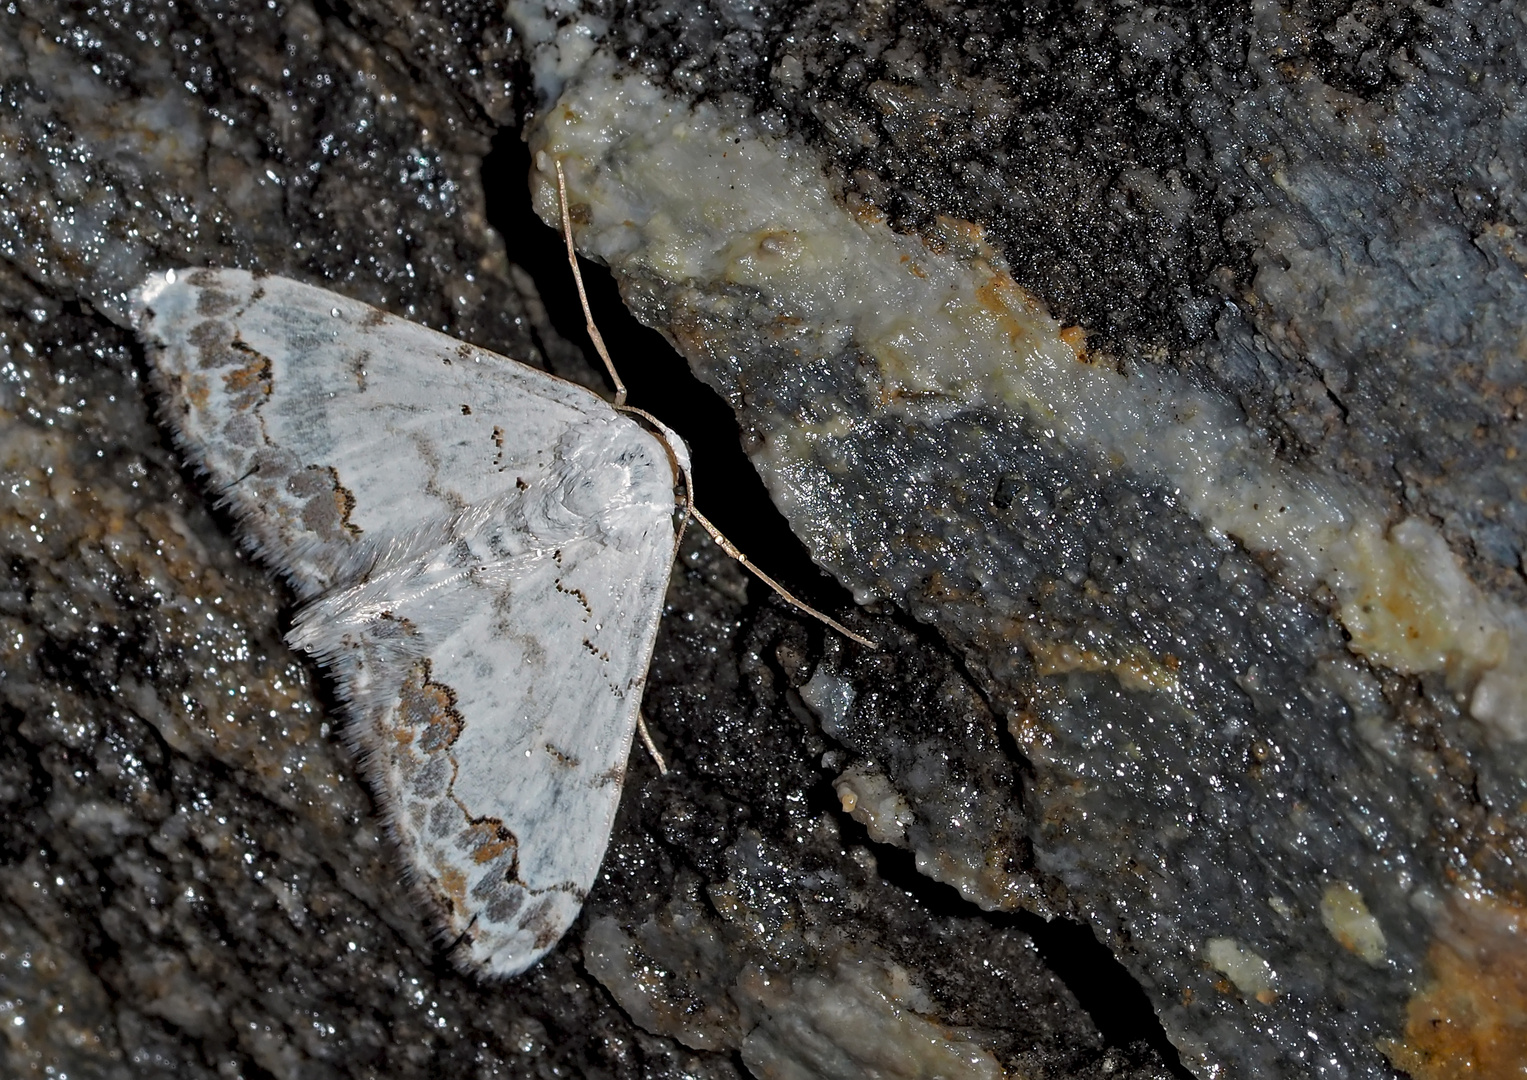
{"points": [[732, 550], [690, 509], [641, 727], [588, 314]]}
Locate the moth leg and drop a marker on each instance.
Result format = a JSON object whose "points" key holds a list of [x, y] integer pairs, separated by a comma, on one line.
{"points": [[641, 726]]}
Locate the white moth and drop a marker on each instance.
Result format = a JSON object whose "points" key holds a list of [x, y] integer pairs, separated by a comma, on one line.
{"points": [[484, 549]]}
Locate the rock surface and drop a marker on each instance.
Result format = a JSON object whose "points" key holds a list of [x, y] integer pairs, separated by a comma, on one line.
{"points": [[1163, 364], [192, 880], [1237, 553]]}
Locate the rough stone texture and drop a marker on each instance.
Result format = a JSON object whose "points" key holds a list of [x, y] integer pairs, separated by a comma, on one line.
{"points": [[192, 882], [1313, 206], [735, 867], [1224, 810], [1313, 210]]}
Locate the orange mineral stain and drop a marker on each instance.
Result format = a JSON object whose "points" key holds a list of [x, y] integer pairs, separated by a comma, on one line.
{"points": [[1076, 338], [1470, 1021]]}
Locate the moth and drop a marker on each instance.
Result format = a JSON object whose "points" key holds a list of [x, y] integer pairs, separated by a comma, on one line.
{"points": [[482, 551]]}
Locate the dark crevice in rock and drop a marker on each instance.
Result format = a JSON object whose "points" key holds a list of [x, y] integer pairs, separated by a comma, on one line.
{"points": [[1100, 983], [727, 487], [24, 789]]}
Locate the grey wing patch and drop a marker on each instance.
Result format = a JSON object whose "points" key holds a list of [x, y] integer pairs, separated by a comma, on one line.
{"points": [[215, 389], [467, 863]]}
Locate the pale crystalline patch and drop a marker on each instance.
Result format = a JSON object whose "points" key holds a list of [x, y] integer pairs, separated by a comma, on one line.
{"points": [[1243, 966], [485, 549], [1348, 920], [868, 797]]}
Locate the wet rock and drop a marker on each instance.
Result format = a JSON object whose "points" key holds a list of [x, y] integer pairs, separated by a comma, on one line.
{"points": [[192, 880], [1152, 359]]}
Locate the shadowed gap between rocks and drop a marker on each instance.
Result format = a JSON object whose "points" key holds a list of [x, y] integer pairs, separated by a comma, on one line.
{"points": [[1102, 986], [727, 489], [731, 493]]}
